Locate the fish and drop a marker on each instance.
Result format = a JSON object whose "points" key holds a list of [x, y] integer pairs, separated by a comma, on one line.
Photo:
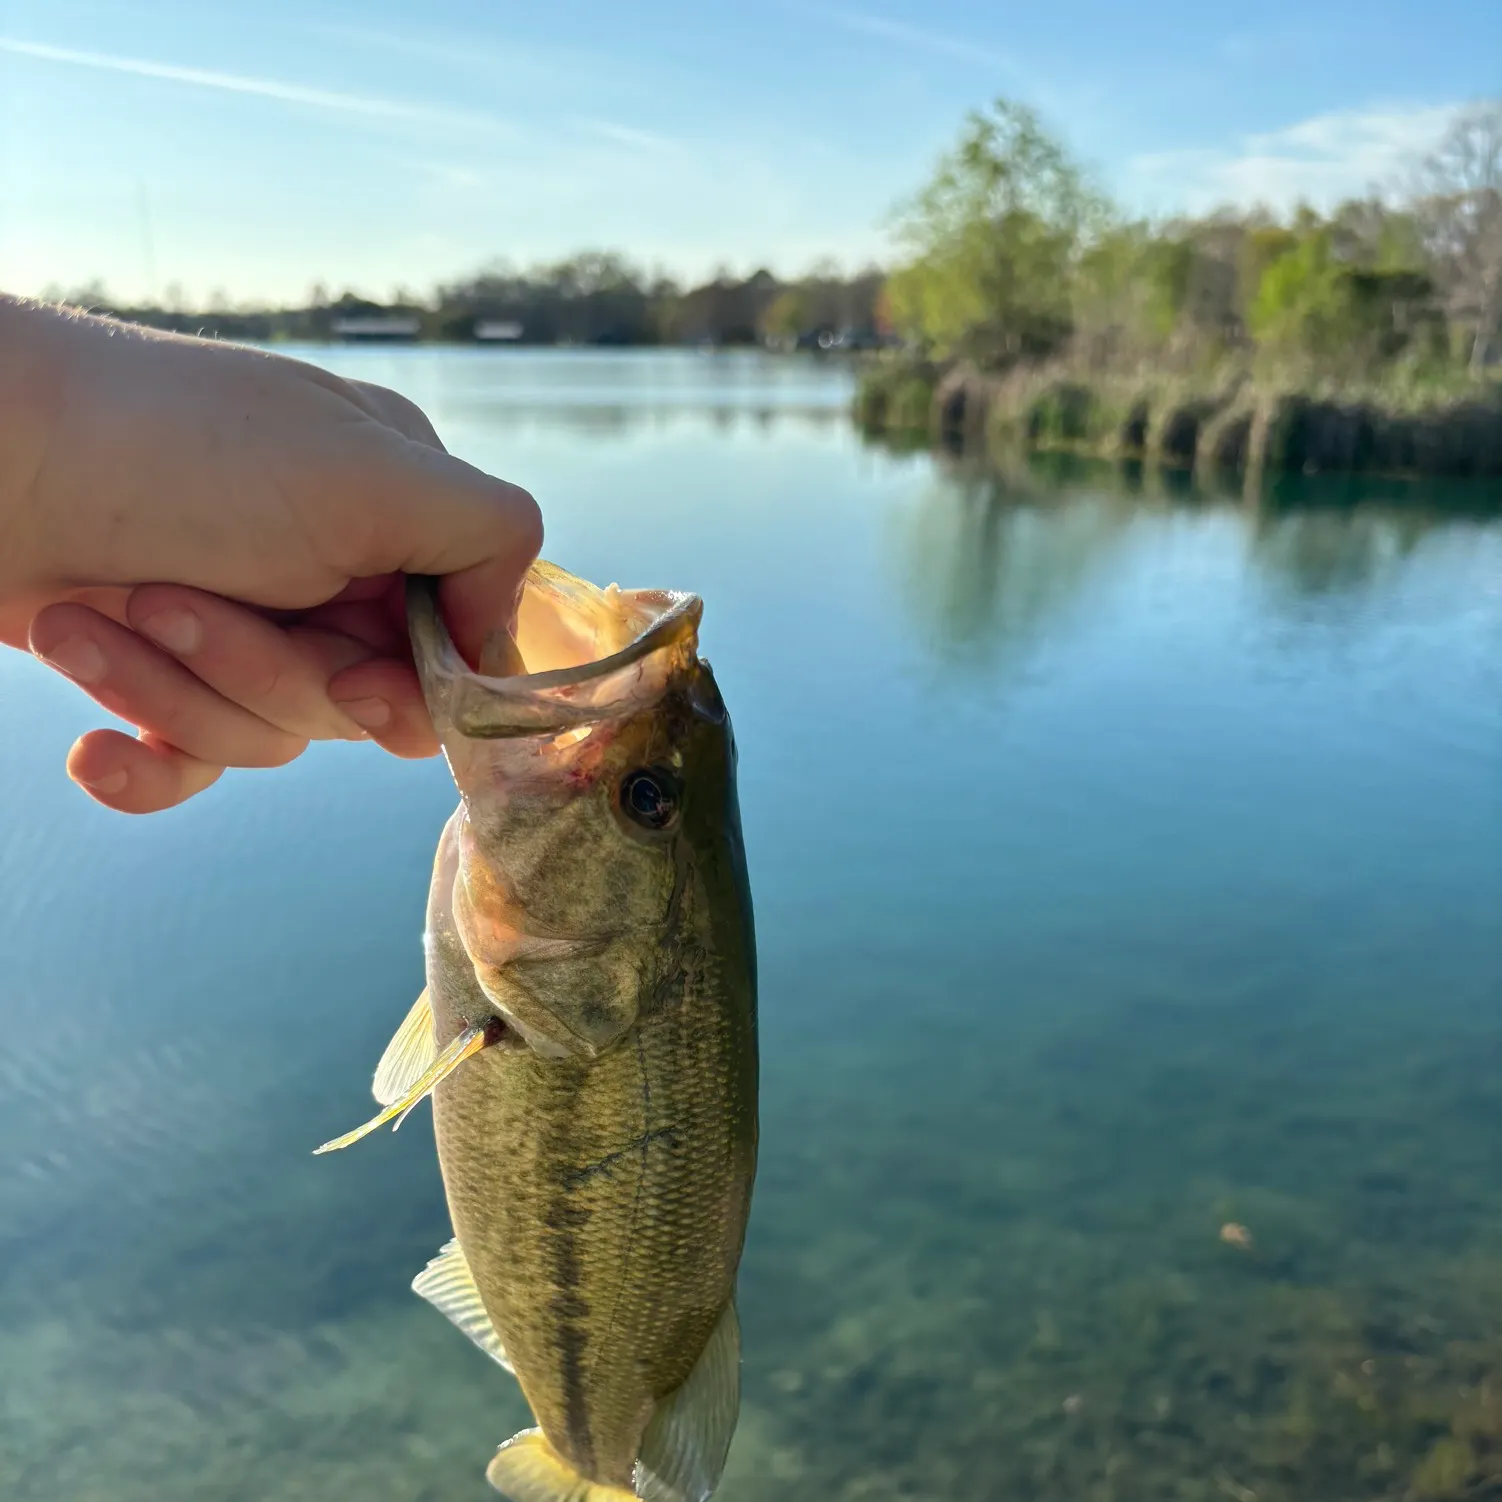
{"points": [[588, 1035]]}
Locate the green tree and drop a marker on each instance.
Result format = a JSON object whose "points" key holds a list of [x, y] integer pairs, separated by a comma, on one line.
{"points": [[1132, 285], [786, 316], [1317, 303], [993, 241]]}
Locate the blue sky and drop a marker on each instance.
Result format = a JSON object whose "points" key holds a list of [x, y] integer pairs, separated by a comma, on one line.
{"points": [[260, 148]]}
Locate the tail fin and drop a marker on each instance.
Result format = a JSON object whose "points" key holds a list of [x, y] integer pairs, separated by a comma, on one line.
{"points": [[528, 1469]]}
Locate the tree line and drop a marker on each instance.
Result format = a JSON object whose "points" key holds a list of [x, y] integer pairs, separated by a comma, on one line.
{"points": [[594, 298], [1011, 256]]}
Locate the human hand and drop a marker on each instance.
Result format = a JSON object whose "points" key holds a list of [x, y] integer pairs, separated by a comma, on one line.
{"points": [[210, 541]]}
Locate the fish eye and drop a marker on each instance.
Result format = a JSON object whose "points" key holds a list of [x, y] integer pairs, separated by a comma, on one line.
{"points": [[650, 797]]}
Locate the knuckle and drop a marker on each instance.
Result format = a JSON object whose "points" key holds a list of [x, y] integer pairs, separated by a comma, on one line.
{"points": [[266, 682], [398, 411], [171, 714]]}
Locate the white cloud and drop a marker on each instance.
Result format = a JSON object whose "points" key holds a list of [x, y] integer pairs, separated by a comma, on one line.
{"points": [[236, 83], [1321, 160]]}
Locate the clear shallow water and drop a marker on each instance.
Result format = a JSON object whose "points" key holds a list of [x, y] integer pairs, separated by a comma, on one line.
{"points": [[1125, 865]]}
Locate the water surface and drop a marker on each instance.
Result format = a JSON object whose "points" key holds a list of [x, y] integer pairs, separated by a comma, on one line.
{"points": [[1127, 863]]}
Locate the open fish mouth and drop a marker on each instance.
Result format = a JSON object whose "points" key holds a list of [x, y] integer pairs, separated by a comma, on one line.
{"points": [[580, 655]]}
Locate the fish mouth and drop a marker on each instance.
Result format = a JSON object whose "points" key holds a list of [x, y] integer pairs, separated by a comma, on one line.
{"points": [[580, 655]]}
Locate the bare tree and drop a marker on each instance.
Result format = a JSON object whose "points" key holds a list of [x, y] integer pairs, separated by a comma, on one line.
{"points": [[1460, 211]]}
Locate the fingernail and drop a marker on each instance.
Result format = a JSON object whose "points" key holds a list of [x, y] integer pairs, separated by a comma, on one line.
{"points": [[76, 657], [112, 782], [371, 713], [180, 631]]}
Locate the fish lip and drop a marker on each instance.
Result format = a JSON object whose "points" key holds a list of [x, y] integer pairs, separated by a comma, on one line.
{"points": [[530, 704]]}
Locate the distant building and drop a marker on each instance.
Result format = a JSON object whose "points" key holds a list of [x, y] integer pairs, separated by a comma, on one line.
{"points": [[377, 326], [497, 330]]}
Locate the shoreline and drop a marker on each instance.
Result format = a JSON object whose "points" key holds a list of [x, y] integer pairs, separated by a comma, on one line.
{"points": [[1229, 425]]}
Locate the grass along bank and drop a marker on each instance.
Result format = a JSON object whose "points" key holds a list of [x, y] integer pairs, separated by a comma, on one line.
{"points": [[1037, 314], [1229, 422]]}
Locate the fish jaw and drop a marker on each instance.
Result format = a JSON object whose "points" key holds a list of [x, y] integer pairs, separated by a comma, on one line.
{"points": [[590, 656], [561, 906], [523, 966], [457, 940]]}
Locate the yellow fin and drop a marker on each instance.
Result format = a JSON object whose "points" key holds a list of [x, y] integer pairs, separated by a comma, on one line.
{"points": [[528, 1469], [408, 1055], [469, 1042], [449, 1286], [683, 1451]]}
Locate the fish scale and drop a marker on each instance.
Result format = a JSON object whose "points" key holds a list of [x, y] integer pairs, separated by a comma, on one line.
{"points": [[652, 1237]]}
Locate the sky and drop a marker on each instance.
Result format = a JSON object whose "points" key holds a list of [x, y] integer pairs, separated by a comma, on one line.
{"points": [[177, 147]]}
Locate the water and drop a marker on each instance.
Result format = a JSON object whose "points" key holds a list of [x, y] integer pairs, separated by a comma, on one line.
{"points": [[1126, 865]]}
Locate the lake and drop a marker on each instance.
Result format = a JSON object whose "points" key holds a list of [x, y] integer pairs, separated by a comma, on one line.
{"points": [[1128, 871]]}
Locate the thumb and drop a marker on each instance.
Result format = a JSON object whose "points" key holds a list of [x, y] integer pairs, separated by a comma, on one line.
{"points": [[439, 515]]}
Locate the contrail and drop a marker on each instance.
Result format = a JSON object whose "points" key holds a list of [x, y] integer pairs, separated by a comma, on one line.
{"points": [[237, 83], [915, 36], [628, 135]]}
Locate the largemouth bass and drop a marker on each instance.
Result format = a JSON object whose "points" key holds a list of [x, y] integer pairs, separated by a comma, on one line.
{"points": [[588, 1036]]}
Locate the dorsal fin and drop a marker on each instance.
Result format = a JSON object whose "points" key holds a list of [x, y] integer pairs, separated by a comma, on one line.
{"points": [[409, 1054], [449, 1286], [683, 1451]]}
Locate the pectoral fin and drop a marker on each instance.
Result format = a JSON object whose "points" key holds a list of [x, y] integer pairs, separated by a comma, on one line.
{"points": [[409, 1054], [683, 1451], [449, 1286], [468, 1043], [528, 1469]]}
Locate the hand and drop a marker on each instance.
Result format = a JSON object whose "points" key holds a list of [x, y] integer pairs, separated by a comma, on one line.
{"points": [[209, 540]]}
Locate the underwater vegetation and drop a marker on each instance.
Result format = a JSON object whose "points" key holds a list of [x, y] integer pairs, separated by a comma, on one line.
{"points": [[1016, 1286], [1074, 1324]]}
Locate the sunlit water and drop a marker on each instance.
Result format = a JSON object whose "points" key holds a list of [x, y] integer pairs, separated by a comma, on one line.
{"points": [[1125, 866]]}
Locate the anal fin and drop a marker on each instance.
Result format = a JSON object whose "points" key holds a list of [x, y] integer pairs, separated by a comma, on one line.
{"points": [[449, 1286], [683, 1450], [528, 1469]]}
